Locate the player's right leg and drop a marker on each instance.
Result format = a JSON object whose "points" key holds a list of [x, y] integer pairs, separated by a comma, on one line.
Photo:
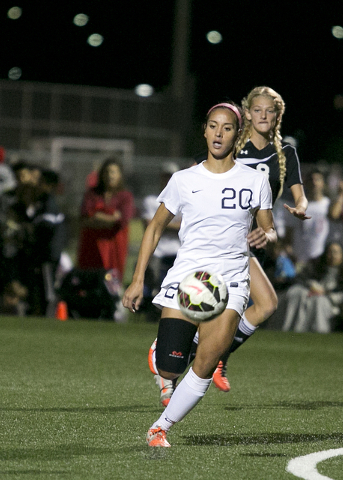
{"points": [[264, 305]]}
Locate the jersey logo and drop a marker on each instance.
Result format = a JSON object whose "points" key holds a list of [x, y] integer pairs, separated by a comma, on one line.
{"points": [[244, 152], [196, 191]]}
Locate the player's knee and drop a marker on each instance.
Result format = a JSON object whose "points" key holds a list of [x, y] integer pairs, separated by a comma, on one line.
{"points": [[272, 304], [268, 306]]}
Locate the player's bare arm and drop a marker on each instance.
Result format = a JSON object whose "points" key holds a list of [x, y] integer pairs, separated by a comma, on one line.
{"points": [[265, 232], [300, 202], [134, 294]]}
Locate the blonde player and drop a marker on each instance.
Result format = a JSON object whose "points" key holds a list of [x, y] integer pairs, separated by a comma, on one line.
{"points": [[261, 147]]}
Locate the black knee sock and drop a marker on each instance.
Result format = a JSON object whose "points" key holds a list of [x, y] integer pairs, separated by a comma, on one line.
{"points": [[239, 339], [241, 336]]}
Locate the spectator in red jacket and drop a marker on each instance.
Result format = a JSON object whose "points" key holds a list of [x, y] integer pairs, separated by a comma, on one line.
{"points": [[105, 214]]}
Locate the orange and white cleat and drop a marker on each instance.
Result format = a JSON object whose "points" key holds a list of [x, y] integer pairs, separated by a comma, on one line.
{"points": [[156, 437], [150, 360], [219, 378], [166, 387]]}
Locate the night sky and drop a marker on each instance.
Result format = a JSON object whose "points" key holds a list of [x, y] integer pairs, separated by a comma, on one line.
{"points": [[286, 45]]}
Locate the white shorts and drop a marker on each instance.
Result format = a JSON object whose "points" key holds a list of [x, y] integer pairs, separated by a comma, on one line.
{"points": [[238, 301]]}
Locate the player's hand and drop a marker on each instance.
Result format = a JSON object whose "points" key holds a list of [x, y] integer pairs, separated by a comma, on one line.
{"points": [[257, 238], [297, 212], [133, 296]]}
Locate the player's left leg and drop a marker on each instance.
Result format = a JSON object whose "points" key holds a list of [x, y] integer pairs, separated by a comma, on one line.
{"points": [[264, 305], [168, 358], [167, 387]]}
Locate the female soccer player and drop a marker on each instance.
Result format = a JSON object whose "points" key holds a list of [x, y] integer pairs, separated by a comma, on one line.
{"points": [[218, 200]]}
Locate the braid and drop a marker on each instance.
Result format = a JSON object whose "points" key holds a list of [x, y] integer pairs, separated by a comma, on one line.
{"points": [[281, 156], [246, 131], [245, 135]]}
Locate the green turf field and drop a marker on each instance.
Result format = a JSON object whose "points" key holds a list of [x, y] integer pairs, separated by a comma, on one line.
{"points": [[77, 398]]}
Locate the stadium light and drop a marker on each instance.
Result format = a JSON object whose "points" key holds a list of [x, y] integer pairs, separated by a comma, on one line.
{"points": [[144, 90], [14, 13], [80, 20], [14, 73], [337, 31], [95, 40], [214, 37]]}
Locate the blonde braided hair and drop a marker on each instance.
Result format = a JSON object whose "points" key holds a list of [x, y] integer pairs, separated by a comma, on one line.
{"points": [[275, 135]]}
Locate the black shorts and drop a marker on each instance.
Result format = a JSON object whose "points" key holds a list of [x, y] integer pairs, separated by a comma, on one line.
{"points": [[260, 254]]}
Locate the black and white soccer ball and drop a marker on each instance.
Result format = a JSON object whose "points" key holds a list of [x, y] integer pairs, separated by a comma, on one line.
{"points": [[202, 296]]}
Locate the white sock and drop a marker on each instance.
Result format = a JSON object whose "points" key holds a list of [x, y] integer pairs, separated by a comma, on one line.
{"points": [[245, 326], [196, 337], [186, 396]]}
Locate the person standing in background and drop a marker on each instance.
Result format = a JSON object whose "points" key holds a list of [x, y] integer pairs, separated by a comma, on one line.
{"points": [[336, 214], [105, 215], [308, 239]]}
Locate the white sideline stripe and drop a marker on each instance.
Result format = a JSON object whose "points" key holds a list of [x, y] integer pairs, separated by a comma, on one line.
{"points": [[305, 466]]}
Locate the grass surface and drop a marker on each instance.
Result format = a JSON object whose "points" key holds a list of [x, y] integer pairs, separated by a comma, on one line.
{"points": [[77, 398]]}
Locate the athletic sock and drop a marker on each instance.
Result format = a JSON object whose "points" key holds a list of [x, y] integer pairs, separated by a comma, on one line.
{"points": [[244, 331], [186, 396]]}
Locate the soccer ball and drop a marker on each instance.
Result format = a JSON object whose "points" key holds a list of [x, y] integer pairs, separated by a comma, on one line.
{"points": [[202, 296]]}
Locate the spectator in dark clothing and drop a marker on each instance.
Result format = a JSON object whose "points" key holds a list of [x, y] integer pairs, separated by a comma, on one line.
{"points": [[33, 238], [49, 240]]}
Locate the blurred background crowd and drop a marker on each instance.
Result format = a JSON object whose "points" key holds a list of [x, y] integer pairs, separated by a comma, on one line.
{"points": [[93, 122], [49, 255]]}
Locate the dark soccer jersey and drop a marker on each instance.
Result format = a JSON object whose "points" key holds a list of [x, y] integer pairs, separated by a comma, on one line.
{"points": [[266, 161]]}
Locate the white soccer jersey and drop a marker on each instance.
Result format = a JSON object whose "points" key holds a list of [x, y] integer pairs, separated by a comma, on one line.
{"points": [[217, 212]]}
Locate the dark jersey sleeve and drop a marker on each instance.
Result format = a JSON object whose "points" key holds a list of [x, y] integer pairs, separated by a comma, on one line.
{"points": [[293, 173]]}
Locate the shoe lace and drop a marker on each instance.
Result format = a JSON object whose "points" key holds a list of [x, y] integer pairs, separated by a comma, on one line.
{"points": [[158, 432]]}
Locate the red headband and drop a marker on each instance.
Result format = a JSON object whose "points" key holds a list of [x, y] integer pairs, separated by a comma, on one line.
{"points": [[230, 107]]}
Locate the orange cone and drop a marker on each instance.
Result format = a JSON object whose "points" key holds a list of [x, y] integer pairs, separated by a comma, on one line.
{"points": [[61, 311]]}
